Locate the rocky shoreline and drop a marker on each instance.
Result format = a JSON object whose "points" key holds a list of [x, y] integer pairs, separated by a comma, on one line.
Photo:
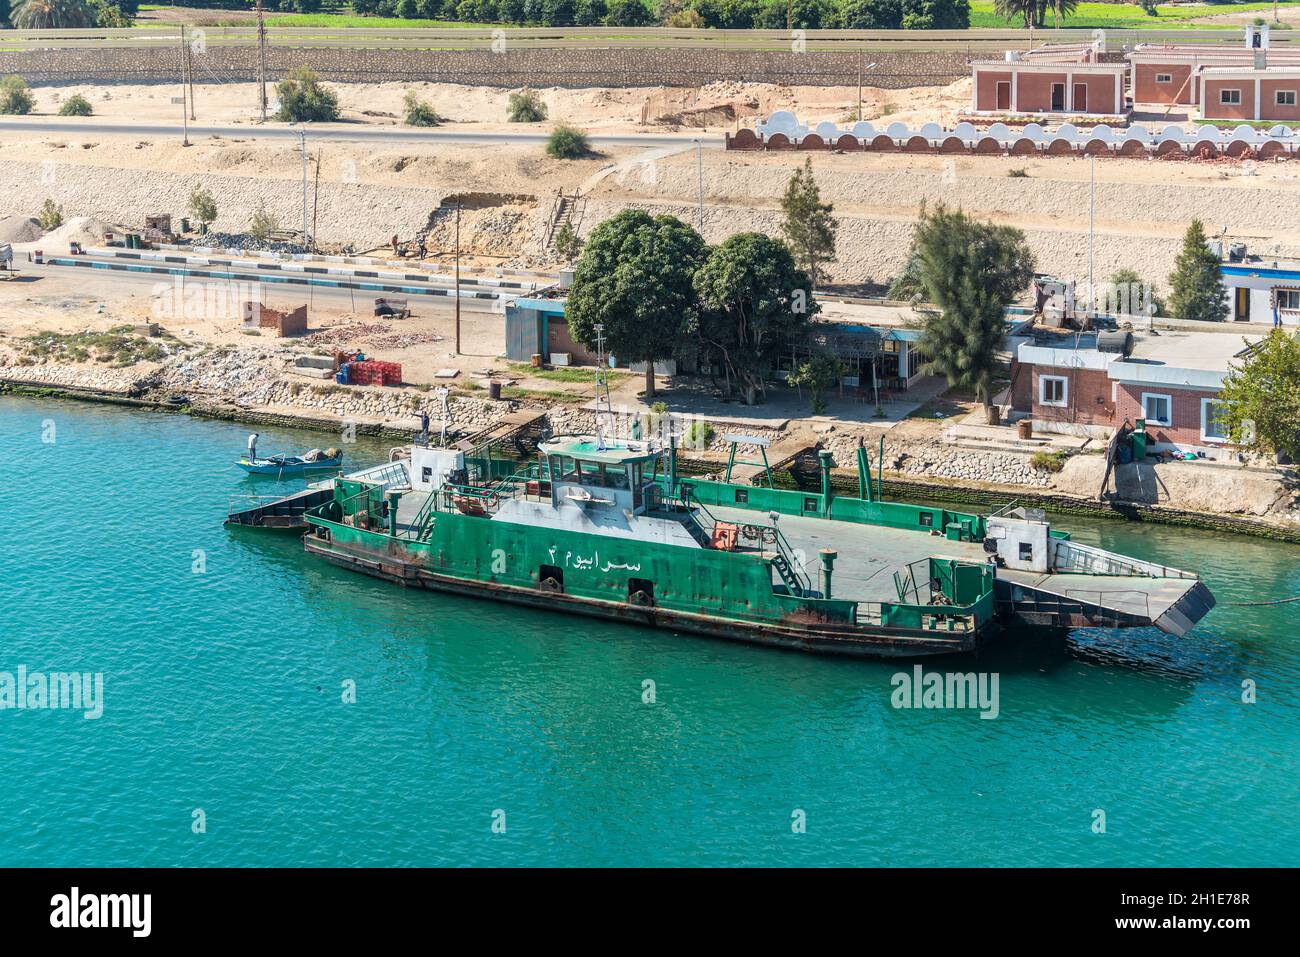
{"points": [[255, 386]]}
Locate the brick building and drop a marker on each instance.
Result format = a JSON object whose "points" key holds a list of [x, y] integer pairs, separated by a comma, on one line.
{"points": [[1053, 80], [1172, 380]]}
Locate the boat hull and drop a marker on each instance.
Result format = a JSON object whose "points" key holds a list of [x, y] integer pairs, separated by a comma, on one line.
{"points": [[293, 468], [795, 635]]}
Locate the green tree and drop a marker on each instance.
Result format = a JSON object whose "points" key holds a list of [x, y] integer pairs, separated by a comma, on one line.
{"points": [[263, 223], [15, 97], [635, 279], [567, 142], [557, 13], [628, 13], [567, 244], [202, 206], [1195, 285], [52, 14], [869, 14], [419, 113], [50, 215], [525, 107], [1260, 400], [1130, 291], [809, 227], [936, 14], [589, 13], [819, 373], [109, 14], [304, 100], [76, 105], [754, 303], [968, 273]]}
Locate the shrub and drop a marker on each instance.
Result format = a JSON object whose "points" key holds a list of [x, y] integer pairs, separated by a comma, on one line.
{"points": [[202, 206], [700, 434], [304, 100], [419, 113], [567, 142], [262, 224], [1045, 461], [567, 244], [76, 105], [15, 97], [50, 216], [526, 107]]}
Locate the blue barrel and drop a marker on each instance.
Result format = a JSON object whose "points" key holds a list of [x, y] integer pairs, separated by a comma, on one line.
{"points": [[344, 375]]}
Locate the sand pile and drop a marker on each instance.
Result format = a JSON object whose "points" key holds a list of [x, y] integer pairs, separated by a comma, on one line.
{"points": [[82, 229], [19, 229]]}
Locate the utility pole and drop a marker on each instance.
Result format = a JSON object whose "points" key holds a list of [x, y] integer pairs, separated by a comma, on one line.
{"points": [[302, 145], [860, 86], [261, 59], [1092, 202], [189, 65], [699, 169], [457, 277], [185, 116]]}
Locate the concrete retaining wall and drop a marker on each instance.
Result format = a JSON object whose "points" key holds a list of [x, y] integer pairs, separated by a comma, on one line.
{"points": [[512, 68]]}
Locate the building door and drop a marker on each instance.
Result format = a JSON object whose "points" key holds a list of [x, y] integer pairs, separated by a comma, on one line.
{"points": [[1058, 97], [1081, 97], [1004, 95], [1241, 305]]}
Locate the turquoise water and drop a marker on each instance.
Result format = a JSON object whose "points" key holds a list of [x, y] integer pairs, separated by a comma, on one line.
{"points": [[223, 693]]}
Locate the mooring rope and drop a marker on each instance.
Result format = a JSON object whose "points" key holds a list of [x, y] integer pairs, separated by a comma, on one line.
{"points": [[1278, 601]]}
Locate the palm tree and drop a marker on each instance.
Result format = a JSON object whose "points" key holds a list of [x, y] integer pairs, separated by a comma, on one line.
{"points": [[1061, 9], [1026, 10], [46, 14]]}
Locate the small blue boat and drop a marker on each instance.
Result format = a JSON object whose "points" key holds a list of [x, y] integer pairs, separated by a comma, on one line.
{"points": [[281, 464]]}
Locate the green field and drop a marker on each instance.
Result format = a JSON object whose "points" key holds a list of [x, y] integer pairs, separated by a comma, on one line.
{"points": [[1129, 16], [1089, 16]]}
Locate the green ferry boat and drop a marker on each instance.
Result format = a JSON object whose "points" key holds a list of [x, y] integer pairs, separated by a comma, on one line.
{"points": [[608, 529]]}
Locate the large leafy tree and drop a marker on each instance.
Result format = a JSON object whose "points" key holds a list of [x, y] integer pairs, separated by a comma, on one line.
{"points": [[304, 100], [936, 14], [635, 279], [754, 302], [967, 273], [809, 227], [1260, 400], [869, 14], [1195, 285], [50, 14]]}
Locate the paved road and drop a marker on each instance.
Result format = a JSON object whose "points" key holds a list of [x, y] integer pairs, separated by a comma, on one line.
{"points": [[359, 133]]}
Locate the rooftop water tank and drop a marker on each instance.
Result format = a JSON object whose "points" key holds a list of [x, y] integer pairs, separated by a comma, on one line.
{"points": [[1119, 341]]}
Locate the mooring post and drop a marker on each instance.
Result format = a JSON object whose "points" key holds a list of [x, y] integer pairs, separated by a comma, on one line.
{"points": [[672, 463], [828, 556], [880, 471], [393, 499]]}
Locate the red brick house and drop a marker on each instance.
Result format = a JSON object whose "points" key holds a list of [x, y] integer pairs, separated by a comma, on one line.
{"points": [[1051, 80], [1233, 93], [1172, 380]]}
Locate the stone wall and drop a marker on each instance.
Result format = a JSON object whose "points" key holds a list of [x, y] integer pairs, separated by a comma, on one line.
{"points": [[940, 461], [511, 68]]}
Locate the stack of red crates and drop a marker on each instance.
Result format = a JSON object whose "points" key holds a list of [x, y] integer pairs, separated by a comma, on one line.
{"points": [[374, 372]]}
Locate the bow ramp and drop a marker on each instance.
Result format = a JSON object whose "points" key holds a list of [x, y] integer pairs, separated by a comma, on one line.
{"points": [[1046, 579]]}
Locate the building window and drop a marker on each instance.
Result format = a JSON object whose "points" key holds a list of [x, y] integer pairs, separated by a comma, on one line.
{"points": [[1230, 97], [1286, 97], [1053, 390], [1164, 78], [1287, 298], [1212, 428], [1157, 409]]}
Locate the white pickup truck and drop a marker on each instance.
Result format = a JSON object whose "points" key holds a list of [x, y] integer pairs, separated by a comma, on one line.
{"points": [[7, 261]]}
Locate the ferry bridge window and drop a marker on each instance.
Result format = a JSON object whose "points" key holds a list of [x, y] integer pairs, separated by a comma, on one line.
{"points": [[927, 519], [742, 496], [1026, 551], [615, 476]]}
